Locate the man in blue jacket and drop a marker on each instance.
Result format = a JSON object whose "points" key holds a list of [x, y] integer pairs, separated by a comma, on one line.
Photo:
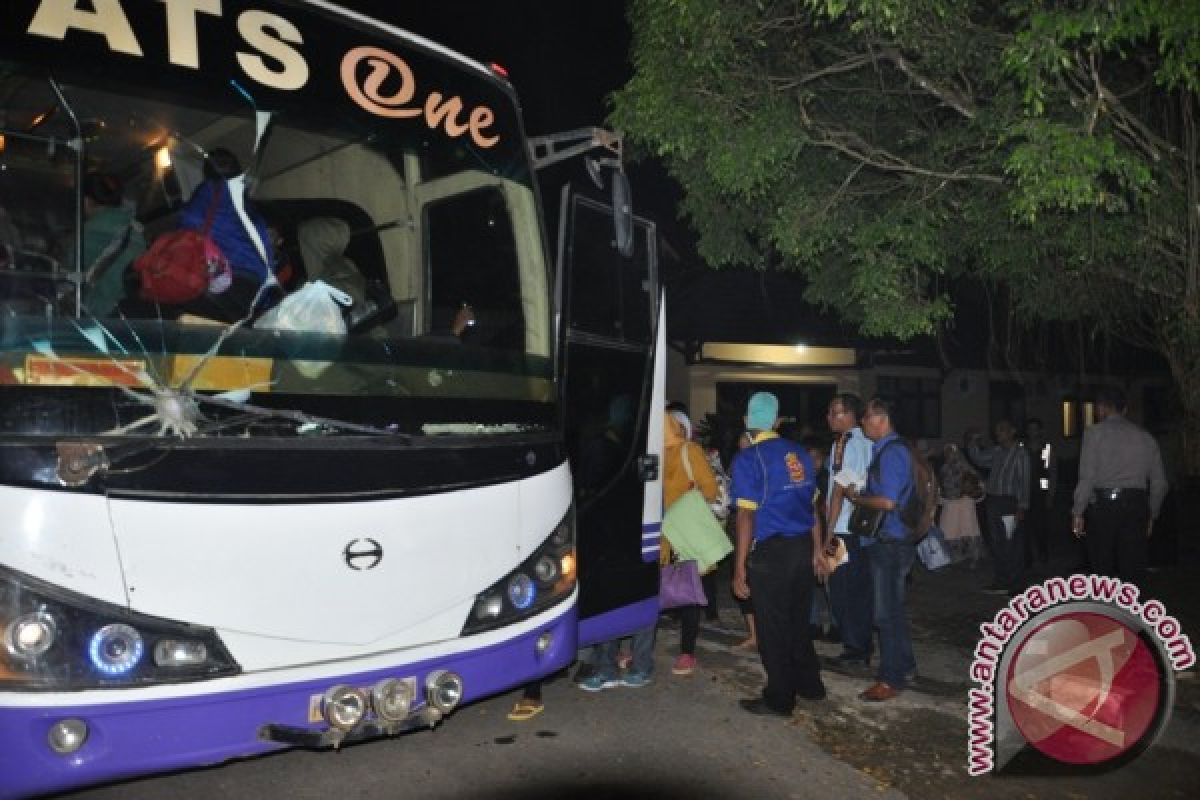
{"points": [[779, 542], [889, 487]]}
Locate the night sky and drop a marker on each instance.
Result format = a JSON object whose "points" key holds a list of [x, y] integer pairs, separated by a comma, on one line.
{"points": [[562, 57]]}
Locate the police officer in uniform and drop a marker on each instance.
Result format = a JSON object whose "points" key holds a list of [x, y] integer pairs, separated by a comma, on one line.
{"points": [[1120, 491]]}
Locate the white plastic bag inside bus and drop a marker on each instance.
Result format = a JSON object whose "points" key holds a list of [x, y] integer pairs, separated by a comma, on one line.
{"points": [[316, 307]]}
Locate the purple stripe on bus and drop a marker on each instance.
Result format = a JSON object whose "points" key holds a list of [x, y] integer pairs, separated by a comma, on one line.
{"points": [[651, 527], [620, 622], [138, 738]]}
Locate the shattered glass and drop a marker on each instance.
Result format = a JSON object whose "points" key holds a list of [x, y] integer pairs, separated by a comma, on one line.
{"points": [[407, 226]]}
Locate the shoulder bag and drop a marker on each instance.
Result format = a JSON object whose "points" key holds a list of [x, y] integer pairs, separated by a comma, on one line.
{"points": [[690, 527], [182, 265]]}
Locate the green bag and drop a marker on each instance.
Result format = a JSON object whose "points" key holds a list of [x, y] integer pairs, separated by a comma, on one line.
{"points": [[693, 531]]}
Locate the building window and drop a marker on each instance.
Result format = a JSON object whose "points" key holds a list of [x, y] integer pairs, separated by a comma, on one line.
{"points": [[1077, 415], [918, 404]]}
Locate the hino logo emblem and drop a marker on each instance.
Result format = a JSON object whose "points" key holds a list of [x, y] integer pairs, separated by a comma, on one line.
{"points": [[363, 554]]}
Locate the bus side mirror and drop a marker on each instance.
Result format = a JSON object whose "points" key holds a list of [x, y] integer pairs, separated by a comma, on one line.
{"points": [[622, 207], [622, 204]]}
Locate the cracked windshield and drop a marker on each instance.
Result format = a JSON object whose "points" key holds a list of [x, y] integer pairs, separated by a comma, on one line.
{"points": [[172, 259]]}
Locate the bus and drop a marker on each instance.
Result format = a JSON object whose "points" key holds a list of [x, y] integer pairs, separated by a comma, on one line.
{"points": [[416, 467]]}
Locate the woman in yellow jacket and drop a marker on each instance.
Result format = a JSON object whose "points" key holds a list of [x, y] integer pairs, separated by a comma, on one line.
{"points": [[676, 481]]}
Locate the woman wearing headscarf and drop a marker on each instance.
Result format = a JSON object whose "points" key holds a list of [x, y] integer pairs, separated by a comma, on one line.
{"points": [[681, 456], [961, 490]]}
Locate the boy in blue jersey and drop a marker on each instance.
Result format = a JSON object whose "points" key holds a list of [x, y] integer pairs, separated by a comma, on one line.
{"points": [[779, 542]]}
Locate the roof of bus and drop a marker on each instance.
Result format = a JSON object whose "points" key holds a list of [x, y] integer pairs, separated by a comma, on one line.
{"points": [[341, 10]]}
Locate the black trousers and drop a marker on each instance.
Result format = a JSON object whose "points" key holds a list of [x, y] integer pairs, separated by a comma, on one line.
{"points": [[780, 575], [1008, 552], [1037, 528], [1116, 536]]}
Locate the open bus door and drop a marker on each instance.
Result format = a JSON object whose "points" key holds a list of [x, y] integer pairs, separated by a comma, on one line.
{"points": [[615, 375]]}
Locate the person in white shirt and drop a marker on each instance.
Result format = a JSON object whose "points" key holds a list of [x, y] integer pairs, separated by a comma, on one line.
{"points": [[850, 593]]}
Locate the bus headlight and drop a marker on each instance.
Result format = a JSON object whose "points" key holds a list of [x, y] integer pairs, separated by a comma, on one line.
{"points": [[545, 578], [521, 591], [116, 649], [30, 635], [51, 638]]}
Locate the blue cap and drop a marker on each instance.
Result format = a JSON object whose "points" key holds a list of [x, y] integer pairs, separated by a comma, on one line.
{"points": [[762, 411]]}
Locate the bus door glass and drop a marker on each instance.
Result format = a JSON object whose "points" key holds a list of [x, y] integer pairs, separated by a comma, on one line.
{"points": [[611, 312]]}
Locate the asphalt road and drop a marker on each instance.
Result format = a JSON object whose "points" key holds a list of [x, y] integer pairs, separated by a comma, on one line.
{"points": [[678, 737], [686, 736]]}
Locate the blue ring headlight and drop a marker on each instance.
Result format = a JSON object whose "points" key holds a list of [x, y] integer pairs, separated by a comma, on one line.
{"points": [[521, 591], [116, 649]]}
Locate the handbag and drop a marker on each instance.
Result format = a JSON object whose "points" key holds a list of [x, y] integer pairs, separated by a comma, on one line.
{"points": [[679, 585], [865, 521], [693, 531], [182, 265], [932, 550]]}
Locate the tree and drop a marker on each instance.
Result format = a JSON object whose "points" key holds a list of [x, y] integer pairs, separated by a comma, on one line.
{"points": [[892, 149]]}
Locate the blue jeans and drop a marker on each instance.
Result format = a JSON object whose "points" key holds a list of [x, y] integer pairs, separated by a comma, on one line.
{"points": [[643, 654], [890, 562], [850, 596]]}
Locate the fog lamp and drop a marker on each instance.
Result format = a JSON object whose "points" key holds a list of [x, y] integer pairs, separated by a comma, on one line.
{"points": [[30, 635], [67, 735], [393, 698], [344, 707], [443, 690], [543, 643]]}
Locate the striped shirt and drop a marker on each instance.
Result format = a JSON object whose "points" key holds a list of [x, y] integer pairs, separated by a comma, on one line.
{"points": [[1009, 471]]}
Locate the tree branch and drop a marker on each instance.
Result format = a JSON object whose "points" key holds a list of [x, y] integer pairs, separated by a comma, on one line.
{"points": [[950, 97]]}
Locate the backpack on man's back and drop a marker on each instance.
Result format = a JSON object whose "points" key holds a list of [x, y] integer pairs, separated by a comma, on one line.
{"points": [[919, 511]]}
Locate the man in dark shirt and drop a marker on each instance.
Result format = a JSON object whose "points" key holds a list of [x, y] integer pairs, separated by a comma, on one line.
{"points": [[1121, 489], [891, 556], [779, 537]]}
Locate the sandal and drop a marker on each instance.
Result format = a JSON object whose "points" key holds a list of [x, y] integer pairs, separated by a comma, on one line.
{"points": [[526, 710]]}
